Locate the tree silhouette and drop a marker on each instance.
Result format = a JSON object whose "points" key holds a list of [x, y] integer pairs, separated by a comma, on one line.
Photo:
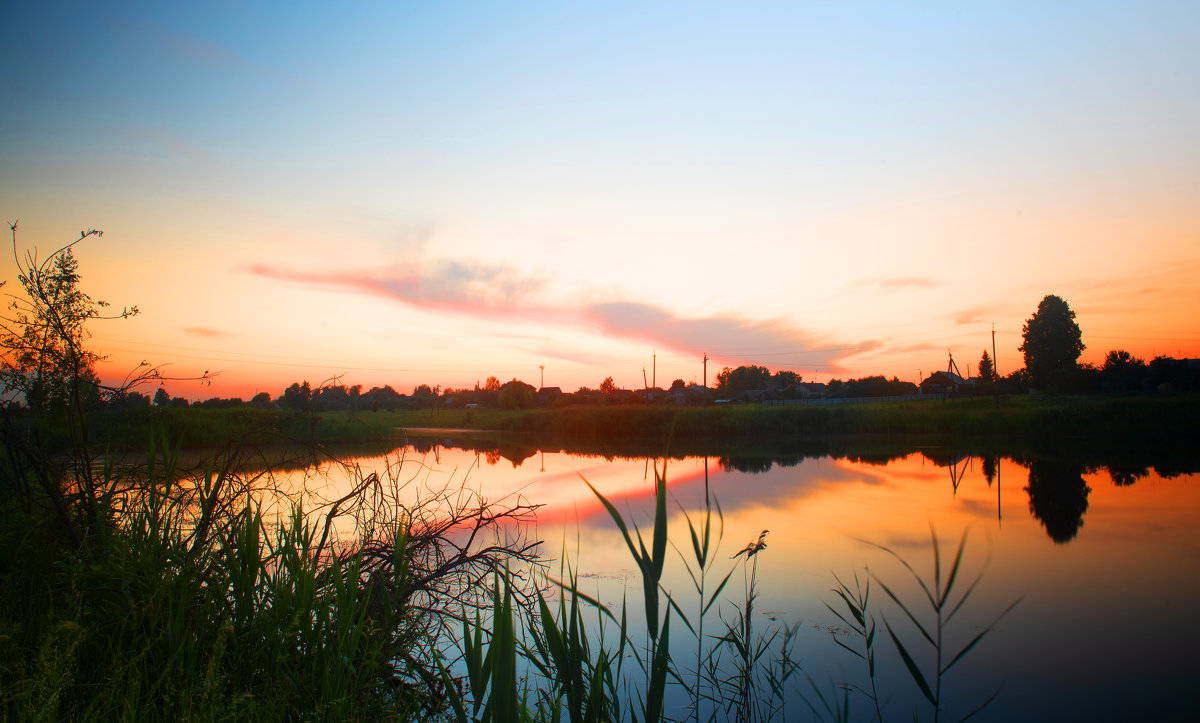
{"points": [[517, 395], [1052, 343], [1122, 371], [1058, 498], [297, 396]]}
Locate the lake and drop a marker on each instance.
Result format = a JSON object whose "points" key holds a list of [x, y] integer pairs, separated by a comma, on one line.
{"points": [[1104, 558]]}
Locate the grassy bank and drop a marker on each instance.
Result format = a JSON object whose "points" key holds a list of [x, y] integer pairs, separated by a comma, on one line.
{"points": [[1143, 417]]}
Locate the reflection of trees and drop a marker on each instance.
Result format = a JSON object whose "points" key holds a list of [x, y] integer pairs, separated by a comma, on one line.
{"points": [[1125, 475], [1058, 497], [750, 465], [989, 467]]}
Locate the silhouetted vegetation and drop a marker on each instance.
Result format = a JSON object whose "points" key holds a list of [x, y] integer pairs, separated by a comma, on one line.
{"points": [[1052, 344]]}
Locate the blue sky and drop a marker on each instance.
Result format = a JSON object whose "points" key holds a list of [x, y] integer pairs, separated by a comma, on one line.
{"points": [[440, 192]]}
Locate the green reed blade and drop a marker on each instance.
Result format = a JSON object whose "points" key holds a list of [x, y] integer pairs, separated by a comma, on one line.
{"points": [[909, 663]]}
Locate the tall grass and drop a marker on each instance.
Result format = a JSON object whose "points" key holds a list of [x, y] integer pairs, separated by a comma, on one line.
{"points": [[189, 602]]}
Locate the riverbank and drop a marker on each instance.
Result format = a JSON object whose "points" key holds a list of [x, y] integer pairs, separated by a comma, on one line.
{"points": [[1145, 417]]}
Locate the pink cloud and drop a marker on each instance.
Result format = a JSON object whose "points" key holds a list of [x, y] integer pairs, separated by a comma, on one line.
{"points": [[482, 289]]}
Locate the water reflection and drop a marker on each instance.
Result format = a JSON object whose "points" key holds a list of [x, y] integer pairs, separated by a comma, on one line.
{"points": [[1058, 497], [1086, 632]]}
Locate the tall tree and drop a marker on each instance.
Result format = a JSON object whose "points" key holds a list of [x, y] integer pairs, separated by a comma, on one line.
{"points": [[1052, 342], [987, 372]]}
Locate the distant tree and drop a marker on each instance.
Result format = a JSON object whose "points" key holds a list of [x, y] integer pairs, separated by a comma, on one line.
{"points": [[987, 373], [517, 395], [1122, 371], [179, 402], [331, 398], [738, 381], [492, 385], [788, 382], [262, 400], [161, 398], [607, 387], [986, 370], [424, 397], [298, 396], [677, 386], [1052, 344], [384, 398]]}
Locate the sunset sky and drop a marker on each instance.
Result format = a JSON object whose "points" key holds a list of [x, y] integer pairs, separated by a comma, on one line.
{"points": [[407, 193]]}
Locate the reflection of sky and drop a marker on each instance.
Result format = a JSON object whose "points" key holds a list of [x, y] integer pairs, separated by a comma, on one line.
{"points": [[1091, 618]]}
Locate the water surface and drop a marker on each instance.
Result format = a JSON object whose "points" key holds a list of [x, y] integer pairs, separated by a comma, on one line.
{"points": [[1104, 558]]}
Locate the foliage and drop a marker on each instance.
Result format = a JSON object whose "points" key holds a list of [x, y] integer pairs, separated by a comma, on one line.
{"points": [[874, 386], [1123, 372], [43, 333], [986, 381], [740, 382], [297, 397], [517, 395], [1052, 343], [203, 606]]}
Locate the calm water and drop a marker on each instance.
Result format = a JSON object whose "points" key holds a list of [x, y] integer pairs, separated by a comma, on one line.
{"points": [[1105, 561]]}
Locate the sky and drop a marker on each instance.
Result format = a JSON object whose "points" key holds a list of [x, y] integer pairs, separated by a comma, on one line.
{"points": [[408, 193]]}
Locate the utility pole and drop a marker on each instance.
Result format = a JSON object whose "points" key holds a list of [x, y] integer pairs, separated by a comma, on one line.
{"points": [[706, 371], [645, 384], [995, 397], [543, 368], [995, 369], [654, 370]]}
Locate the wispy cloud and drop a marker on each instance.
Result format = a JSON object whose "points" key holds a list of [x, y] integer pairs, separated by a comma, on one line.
{"points": [[465, 286], [483, 289], [978, 314], [207, 332], [902, 282], [729, 336]]}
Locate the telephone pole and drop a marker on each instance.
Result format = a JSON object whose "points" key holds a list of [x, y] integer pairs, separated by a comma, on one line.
{"points": [[654, 371], [543, 368], [705, 370], [995, 369]]}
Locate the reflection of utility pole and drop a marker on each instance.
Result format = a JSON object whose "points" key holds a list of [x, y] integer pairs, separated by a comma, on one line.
{"points": [[999, 519]]}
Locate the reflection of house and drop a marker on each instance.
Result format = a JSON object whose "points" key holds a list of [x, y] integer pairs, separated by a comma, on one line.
{"points": [[943, 382]]}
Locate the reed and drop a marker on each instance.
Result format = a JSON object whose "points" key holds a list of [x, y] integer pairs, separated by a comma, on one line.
{"points": [[942, 599]]}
